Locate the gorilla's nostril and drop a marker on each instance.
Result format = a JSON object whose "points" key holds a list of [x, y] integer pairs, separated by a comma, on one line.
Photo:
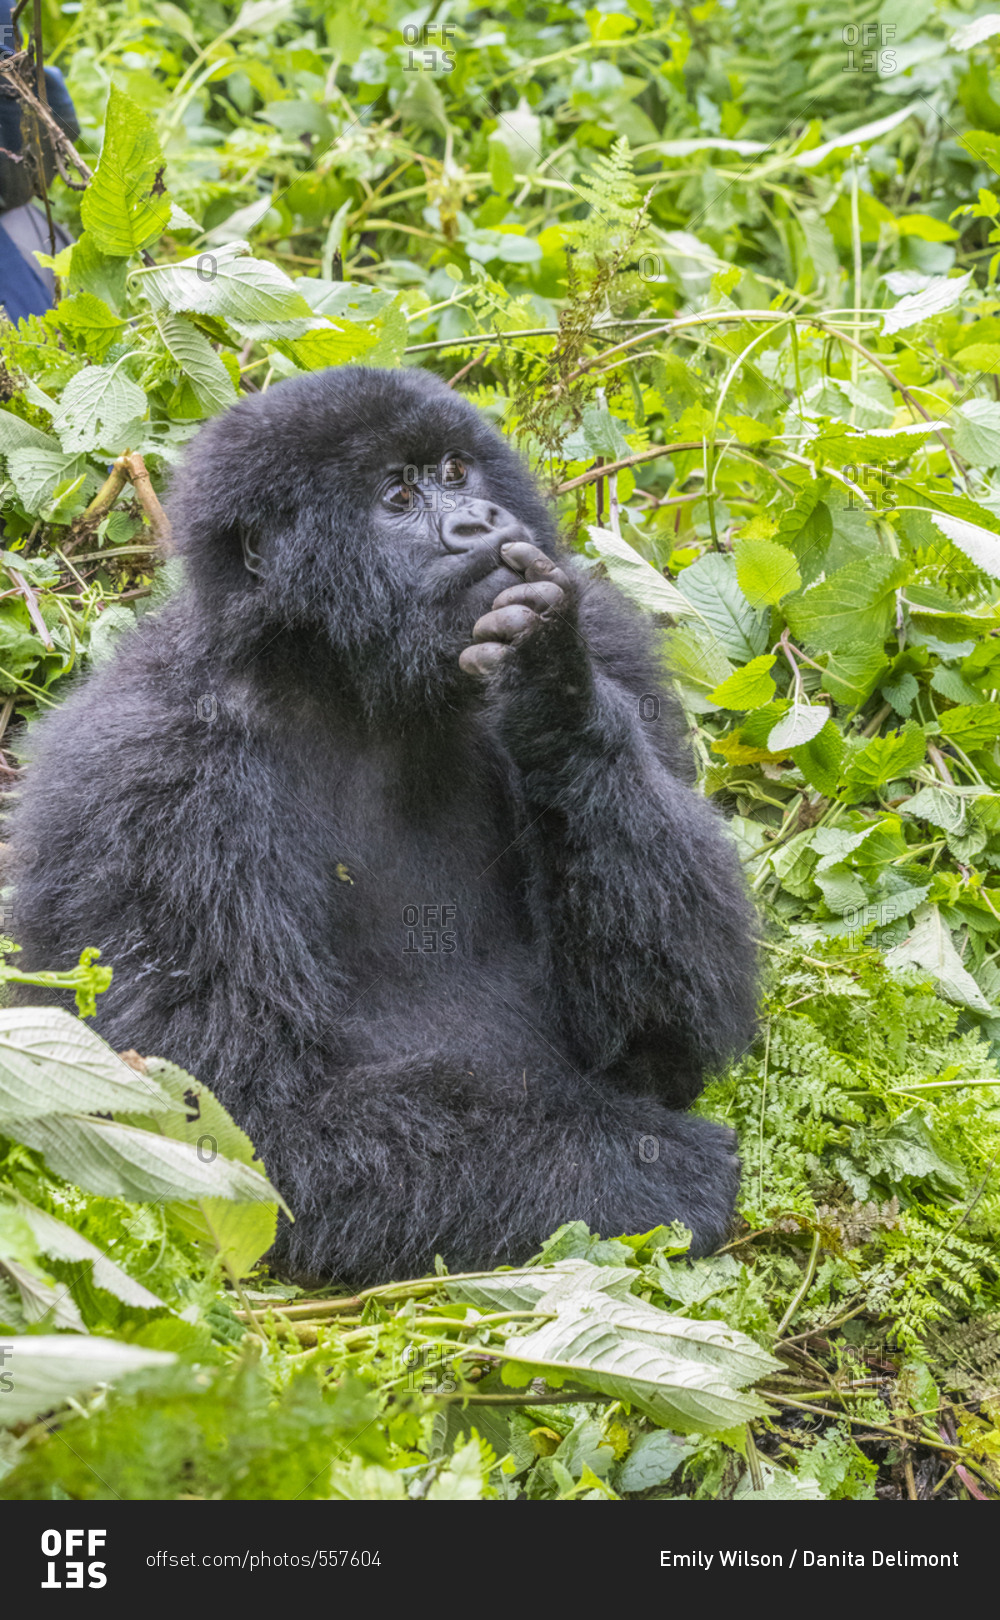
{"points": [[469, 527]]}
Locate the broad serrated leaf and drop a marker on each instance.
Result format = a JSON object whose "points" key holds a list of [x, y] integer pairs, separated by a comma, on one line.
{"points": [[653, 1460], [522, 1288], [971, 725], [97, 405], [638, 578], [40, 1299], [821, 759], [125, 207], [800, 725], [978, 544], [53, 1063], [766, 572], [241, 1232], [212, 384], [975, 432], [122, 1161], [747, 688], [940, 808], [881, 759], [38, 473], [61, 1242], [44, 1370], [16, 434], [942, 293], [851, 609], [686, 1375], [806, 527], [88, 319], [929, 945], [252, 294], [851, 676], [711, 586]]}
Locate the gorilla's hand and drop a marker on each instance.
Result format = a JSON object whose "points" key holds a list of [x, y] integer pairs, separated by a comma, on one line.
{"points": [[537, 617]]}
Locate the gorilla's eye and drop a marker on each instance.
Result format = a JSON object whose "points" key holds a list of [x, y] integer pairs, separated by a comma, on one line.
{"points": [[400, 496], [453, 470]]}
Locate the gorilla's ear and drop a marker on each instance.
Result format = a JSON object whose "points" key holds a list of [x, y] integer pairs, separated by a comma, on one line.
{"points": [[253, 562]]}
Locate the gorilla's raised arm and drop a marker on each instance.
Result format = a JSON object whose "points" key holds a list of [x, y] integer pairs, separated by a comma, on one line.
{"points": [[649, 928]]}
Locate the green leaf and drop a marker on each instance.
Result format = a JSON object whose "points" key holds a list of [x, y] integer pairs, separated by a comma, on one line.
{"points": [[38, 473], [979, 544], [883, 758], [766, 572], [926, 227], [520, 1288], [240, 1232], [61, 1242], [686, 1375], [851, 677], [940, 808], [904, 1155], [851, 609], [252, 294], [807, 528], [975, 433], [87, 318], [212, 384], [929, 945], [638, 578], [800, 725], [93, 271], [749, 688], [971, 725], [653, 1460], [821, 760], [16, 434], [711, 587], [53, 1063], [97, 406], [942, 293], [126, 207], [121, 1161], [46, 1369]]}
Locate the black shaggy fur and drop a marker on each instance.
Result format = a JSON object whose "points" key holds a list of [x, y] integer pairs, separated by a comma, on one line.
{"points": [[456, 953]]}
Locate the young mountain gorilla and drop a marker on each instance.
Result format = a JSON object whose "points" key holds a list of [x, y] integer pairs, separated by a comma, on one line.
{"points": [[374, 827]]}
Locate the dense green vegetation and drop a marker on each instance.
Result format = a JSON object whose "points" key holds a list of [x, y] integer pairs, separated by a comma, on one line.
{"points": [[728, 275]]}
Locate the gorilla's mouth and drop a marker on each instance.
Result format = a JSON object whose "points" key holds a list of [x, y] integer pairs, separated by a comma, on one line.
{"points": [[479, 574]]}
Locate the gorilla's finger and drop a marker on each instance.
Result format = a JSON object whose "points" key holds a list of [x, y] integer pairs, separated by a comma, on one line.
{"points": [[484, 658], [528, 560], [505, 625], [542, 595]]}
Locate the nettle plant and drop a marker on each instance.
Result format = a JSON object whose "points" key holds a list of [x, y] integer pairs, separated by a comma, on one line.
{"points": [[836, 610], [103, 391]]}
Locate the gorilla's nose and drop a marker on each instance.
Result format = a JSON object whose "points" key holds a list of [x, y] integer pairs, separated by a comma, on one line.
{"points": [[474, 525]]}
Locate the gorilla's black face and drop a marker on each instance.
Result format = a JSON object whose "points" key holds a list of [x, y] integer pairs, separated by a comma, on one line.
{"points": [[369, 506], [446, 522]]}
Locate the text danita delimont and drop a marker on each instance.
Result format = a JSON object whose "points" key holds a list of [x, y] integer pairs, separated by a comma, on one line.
{"points": [[806, 1558]]}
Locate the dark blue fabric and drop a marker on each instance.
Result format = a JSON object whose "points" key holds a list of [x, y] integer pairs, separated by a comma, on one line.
{"points": [[22, 290]]}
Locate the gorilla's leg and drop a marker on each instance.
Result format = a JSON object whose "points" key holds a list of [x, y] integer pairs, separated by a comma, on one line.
{"points": [[388, 1171]]}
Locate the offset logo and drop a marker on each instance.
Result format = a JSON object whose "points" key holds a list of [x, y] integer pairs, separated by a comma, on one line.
{"points": [[65, 1565]]}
